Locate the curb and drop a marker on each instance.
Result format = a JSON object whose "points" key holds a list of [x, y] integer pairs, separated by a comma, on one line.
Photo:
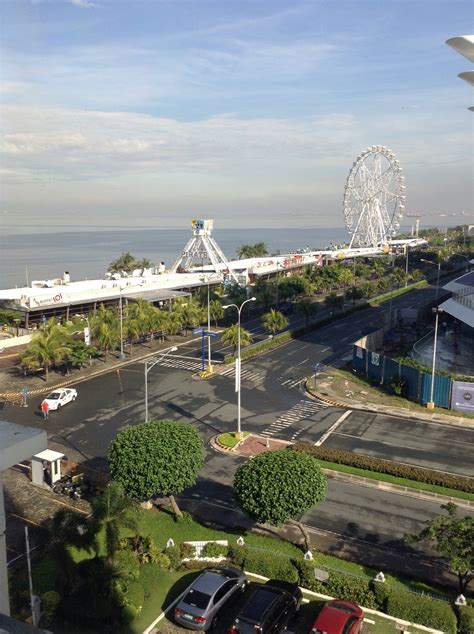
{"points": [[409, 414], [81, 379]]}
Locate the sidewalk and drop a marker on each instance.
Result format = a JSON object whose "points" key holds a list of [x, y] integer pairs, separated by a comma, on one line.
{"points": [[353, 395], [12, 380]]}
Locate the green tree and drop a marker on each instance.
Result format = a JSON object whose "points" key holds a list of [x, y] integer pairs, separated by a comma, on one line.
{"points": [[191, 314], [452, 537], [274, 321], [307, 308], [291, 287], [231, 334], [132, 329], [105, 329], [173, 323], [334, 301], [260, 250], [156, 458], [111, 512], [48, 346], [216, 310], [280, 486], [125, 263]]}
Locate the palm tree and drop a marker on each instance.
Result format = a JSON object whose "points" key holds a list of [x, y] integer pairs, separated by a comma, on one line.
{"points": [[231, 334], [126, 262], [173, 323], [131, 330], [334, 301], [260, 249], [112, 511], [48, 346], [245, 251], [145, 263], [307, 308], [216, 310], [105, 327], [274, 321]]}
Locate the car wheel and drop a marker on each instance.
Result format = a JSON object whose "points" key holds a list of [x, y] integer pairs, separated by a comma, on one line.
{"points": [[59, 406], [215, 622]]}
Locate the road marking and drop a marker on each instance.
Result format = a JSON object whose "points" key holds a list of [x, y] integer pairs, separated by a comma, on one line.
{"points": [[302, 362], [299, 411], [340, 420]]}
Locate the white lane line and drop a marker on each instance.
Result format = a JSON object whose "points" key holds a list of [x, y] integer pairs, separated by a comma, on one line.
{"points": [[340, 420], [301, 362]]}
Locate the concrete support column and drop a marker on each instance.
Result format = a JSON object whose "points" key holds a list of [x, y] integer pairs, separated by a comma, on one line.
{"points": [[4, 594]]}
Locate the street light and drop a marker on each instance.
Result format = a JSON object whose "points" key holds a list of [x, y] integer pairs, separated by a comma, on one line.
{"points": [[148, 367], [206, 279], [439, 269], [87, 334], [430, 404], [121, 289], [237, 363]]}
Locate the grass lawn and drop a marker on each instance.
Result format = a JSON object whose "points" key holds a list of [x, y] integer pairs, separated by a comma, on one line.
{"points": [[163, 586], [385, 477], [230, 439]]}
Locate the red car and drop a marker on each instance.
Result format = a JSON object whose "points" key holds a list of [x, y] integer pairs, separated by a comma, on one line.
{"points": [[338, 617]]}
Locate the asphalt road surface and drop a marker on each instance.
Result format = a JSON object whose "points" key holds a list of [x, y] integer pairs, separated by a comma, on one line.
{"points": [[274, 405]]}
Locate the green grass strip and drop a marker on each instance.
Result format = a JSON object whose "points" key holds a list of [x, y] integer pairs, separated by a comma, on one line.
{"points": [[400, 291], [230, 439], [385, 477]]}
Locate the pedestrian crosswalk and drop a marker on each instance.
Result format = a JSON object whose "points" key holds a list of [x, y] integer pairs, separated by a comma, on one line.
{"points": [[252, 376], [300, 411], [292, 382], [181, 363]]}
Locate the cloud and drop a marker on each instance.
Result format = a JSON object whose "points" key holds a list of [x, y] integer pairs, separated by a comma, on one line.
{"points": [[83, 4]]}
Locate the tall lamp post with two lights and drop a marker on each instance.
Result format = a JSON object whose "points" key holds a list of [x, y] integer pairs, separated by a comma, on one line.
{"points": [[238, 360], [149, 364], [437, 279], [430, 405]]}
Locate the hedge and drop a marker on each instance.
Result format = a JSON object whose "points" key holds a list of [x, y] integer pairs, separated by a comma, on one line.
{"points": [[268, 564], [465, 615], [420, 609], [419, 474]]}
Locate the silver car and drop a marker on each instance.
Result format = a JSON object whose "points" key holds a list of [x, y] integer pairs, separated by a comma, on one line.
{"points": [[199, 606]]}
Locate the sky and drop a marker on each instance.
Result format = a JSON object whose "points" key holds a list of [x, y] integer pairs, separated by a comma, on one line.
{"points": [[147, 113]]}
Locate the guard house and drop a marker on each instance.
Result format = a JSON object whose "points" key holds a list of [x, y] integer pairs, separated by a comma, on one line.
{"points": [[46, 467]]}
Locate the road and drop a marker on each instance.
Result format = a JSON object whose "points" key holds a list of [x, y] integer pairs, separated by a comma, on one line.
{"points": [[273, 404]]}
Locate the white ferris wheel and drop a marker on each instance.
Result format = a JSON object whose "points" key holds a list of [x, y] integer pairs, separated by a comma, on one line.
{"points": [[374, 197]]}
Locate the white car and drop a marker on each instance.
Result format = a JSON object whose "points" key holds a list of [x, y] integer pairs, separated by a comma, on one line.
{"points": [[60, 397]]}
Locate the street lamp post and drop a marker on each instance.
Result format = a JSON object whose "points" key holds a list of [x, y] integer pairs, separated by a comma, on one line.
{"points": [[437, 279], [430, 404], [206, 279], [238, 361], [149, 364]]}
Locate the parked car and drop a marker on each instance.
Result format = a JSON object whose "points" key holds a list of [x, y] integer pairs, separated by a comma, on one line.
{"points": [[338, 617], [199, 608], [60, 397], [270, 608]]}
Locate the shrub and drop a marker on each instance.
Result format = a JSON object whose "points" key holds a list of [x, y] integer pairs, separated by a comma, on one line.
{"points": [[420, 609], [211, 549], [173, 554], [184, 518], [262, 562], [419, 474], [135, 595], [194, 564], [126, 564], [381, 591], [356, 589], [465, 614], [49, 604], [306, 578], [187, 550], [129, 613]]}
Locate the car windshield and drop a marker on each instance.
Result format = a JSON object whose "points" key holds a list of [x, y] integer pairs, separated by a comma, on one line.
{"points": [[54, 396], [343, 608], [197, 599]]}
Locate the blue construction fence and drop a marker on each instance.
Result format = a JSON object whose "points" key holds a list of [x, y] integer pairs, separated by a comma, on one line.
{"points": [[383, 370]]}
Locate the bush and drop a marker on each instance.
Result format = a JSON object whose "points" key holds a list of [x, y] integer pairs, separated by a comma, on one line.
{"points": [[49, 604], [184, 518], [173, 554], [419, 474], [129, 613], [306, 578], [420, 609], [211, 549], [194, 564], [465, 614], [135, 595], [187, 550], [265, 563], [356, 589], [126, 564], [381, 591]]}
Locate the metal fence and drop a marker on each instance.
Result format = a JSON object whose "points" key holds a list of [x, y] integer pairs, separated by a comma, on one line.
{"points": [[383, 370]]}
